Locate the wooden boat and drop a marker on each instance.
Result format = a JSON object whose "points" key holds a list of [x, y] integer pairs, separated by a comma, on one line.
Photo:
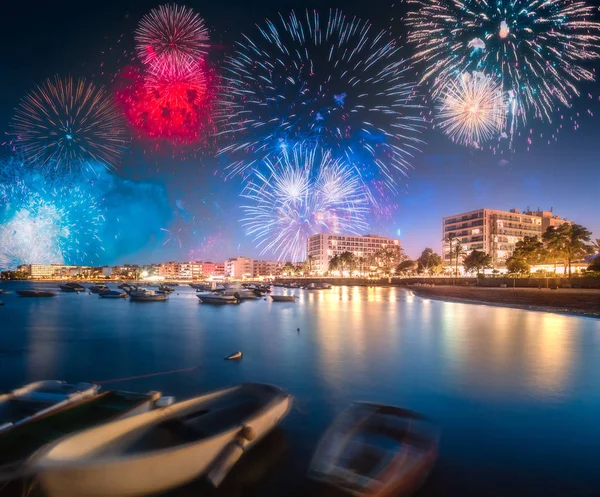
{"points": [[147, 296], [217, 298], [39, 398], [376, 450], [99, 289], [20, 442], [164, 448], [35, 293], [283, 298], [113, 294]]}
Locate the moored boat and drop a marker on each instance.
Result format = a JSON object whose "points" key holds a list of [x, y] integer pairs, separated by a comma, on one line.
{"points": [[35, 293], [217, 298], [39, 398], [99, 288], [164, 448], [283, 298], [376, 450], [20, 442], [147, 296], [72, 287], [241, 293], [113, 294]]}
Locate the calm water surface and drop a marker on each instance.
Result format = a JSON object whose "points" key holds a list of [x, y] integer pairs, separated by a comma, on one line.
{"points": [[517, 393]]}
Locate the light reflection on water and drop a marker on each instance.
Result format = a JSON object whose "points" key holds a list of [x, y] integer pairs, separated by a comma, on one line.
{"points": [[516, 392]]}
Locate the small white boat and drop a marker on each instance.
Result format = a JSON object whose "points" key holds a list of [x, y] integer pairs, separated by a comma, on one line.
{"points": [[376, 450], [283, 298], [164, 448], [40, 398], [241, 293], [147, 296], [217, 298]]}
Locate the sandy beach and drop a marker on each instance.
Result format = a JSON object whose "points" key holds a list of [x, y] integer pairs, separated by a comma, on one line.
{"points": [[580, 302]]}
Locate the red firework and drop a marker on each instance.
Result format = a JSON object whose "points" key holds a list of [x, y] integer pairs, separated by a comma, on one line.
{"points": [[171, 35], [175, 106]]}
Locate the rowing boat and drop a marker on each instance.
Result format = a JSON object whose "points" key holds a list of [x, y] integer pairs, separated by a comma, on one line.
{"points": [[164, 448], [374, 450]]}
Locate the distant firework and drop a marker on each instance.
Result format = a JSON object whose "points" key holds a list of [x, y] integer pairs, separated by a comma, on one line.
{"points": [[64, 123], [48, 225], [177, 107], [536, 48], [171, 36], [472, 109], [335, 83], [304, 192]]}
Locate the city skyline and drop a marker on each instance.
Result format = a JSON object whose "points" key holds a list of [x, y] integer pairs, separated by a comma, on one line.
{"points": [[180, 205]]}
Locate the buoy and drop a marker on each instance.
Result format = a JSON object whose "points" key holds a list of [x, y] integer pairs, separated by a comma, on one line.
{"points": [[234, 357], [297, 329]]}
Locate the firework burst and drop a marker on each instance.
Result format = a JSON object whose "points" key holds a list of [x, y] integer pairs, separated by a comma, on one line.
{"points": [[48, 225], [171, 37], [537, 48], [176, 107], [305, 192], [472, 109], [334, 82], [65, 123]]}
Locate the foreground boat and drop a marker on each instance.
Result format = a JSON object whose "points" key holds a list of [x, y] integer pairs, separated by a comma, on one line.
{"points": [[217, 298], [283, 298], [147, 296], [35, 293], [376, 450], [20, 442], [39, 398], [165, 448], [113, 294]]}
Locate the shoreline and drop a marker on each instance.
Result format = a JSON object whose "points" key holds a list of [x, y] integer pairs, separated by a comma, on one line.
{"points": [[572, 302]]}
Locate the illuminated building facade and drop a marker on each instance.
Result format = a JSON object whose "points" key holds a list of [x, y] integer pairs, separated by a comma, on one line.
{"points": [[322, 247], [494, 232]]}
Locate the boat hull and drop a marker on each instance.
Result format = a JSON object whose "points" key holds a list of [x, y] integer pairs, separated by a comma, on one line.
{"points": [[153, 472], [283, 298], [32, 293]]}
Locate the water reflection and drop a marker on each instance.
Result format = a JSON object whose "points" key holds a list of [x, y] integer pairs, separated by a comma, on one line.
{"points": [[503, 383], [491, 351]]}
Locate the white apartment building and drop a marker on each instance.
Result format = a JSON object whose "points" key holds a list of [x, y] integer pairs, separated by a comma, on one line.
{"points": [[322, 247], [494, 232]]}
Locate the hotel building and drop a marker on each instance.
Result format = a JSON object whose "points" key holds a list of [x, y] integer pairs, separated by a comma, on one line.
{"points": [[322, 247], [494, 232]]}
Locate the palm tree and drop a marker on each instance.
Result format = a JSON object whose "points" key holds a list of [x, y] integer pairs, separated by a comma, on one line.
{"points": [[458, 251], [569, 241], [596, 245], [449, 240]]}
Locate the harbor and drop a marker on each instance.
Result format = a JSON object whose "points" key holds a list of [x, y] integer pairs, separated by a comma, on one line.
{"points": [[498, 382]]}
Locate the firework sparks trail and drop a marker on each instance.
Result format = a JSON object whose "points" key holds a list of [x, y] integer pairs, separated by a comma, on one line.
{"points": [[472, 109], [334, 82], [304, 192], [537, 48], [64, 123]]}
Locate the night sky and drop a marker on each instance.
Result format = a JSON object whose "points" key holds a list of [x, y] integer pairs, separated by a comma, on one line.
{"points": [[195, 211]]}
